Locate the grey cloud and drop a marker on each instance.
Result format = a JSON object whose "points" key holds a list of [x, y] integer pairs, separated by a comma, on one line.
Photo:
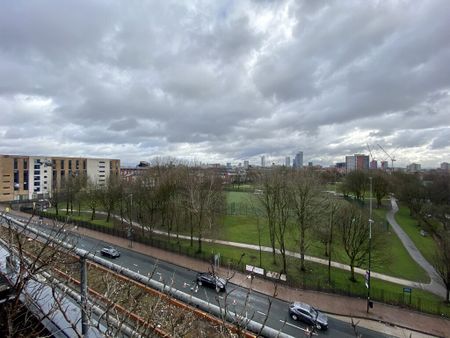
{"points": [[222, 80]]}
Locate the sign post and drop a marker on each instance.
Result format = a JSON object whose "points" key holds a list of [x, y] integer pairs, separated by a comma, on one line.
{"points": [[407, 290]]}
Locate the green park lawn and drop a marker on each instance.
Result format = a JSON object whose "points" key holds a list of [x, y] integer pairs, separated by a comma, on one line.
{"points": [[425, 244], [397, 262], [244, 229]]}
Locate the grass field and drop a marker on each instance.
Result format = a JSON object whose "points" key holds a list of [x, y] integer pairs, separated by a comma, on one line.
{"points": [[244, 229], [425, 244]]}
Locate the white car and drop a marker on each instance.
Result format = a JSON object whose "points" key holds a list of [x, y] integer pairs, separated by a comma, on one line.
{"points": [[110, 252]]}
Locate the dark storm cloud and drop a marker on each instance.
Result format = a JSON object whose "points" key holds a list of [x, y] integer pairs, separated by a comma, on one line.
{"points": [[232, 80]]}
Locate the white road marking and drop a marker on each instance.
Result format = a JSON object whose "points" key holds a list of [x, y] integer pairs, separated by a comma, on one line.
{"points": [[135, 264], [261, 313], [297, 327]]}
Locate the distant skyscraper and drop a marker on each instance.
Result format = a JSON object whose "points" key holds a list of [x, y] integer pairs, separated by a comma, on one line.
{"points": [[384, 165], [263, 161], [444, 166], [298, 160], [373, 164], [350, 163], [413, 167], [246, 164], [287, 161], [361, 161]]}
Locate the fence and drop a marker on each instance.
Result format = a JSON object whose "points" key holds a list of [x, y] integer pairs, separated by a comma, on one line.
{"points": [[377, 294]]}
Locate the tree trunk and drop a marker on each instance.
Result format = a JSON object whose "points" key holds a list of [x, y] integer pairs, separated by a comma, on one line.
{"points": [[302, 250], [352, 275]]}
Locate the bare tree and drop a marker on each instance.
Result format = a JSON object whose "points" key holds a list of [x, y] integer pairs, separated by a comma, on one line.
{"points": [[356, 182], [29, 258], [268, 200], [204, 200], [353, 226], [380, 184], [109, 195], [306, 205], [441, 260]]}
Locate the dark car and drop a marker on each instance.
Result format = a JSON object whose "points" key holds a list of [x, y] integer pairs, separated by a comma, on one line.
{"points": [[211, 280], [110, 252], [309, 315]]}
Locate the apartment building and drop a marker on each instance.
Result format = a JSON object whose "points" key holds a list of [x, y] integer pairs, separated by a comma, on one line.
{"points": [[31, 177]]}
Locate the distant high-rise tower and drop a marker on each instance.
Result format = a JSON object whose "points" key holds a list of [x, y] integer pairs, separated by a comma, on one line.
{"points": [[298, 160], [287, 161], [246, 164], [361, 161], [263, 161], [350, 163]]}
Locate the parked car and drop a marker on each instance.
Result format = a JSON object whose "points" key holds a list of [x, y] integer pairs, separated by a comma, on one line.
{"points": [[110, 252], [309, 315], [211, 280]]}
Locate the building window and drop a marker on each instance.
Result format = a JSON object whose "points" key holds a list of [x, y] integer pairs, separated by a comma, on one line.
{"points": [[25, 180], [15, 164], [70, 164], [62, 164], [77, 164]]}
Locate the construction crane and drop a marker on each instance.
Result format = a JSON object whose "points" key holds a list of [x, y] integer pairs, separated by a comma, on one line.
{"points": [[391, 157], [371, 155]]}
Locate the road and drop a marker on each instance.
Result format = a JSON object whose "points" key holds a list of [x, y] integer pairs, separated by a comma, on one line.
{"points": [[247, 304]]}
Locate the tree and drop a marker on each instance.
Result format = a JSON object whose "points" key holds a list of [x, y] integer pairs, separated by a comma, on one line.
{"points": [[354, 230], [306, 206], [267, 197], [380, 186], [441, 260], [410, 190], [28, 260], [356, 183], [93, 196], [109, 195], [204, 200]]}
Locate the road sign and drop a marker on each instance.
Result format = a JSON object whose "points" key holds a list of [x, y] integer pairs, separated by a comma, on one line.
{"points": [[407, 290]]}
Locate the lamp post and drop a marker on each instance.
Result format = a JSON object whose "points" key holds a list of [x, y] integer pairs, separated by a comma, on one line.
{"points": [[130, 224], [369, 303]]}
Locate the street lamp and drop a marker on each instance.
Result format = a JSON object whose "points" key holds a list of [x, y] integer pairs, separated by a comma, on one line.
{"points": [[369, 302], [130, 224]]}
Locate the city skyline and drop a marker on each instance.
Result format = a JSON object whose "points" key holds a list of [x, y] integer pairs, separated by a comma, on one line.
{"points": [[226, 82]]}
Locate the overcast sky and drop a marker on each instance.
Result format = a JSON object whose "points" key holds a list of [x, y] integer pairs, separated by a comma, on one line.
{"points": [[226, 81]]}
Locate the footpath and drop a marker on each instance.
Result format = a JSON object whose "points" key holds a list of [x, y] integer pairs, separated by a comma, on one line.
{"points": [[383, 318]]}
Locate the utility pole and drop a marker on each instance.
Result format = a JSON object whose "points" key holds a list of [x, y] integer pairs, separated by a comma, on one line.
{"points": [[130, 225], [84, 296], [369, 302]]}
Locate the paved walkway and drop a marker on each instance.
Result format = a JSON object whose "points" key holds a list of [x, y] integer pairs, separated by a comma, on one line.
{"points": [[435, 286]]}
